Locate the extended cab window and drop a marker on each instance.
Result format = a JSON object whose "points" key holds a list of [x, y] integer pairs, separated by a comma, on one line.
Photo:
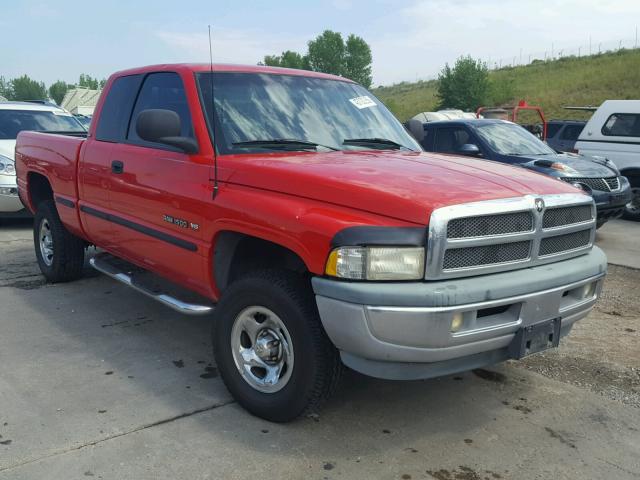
{"points": [[622, 125], [450, 140], [162, 91], [114, 117]]}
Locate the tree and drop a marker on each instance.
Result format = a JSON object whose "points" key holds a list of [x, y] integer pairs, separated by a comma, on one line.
{"points": [[288, 59], [5, 88], [87, 81], [357, 64], [57, 91], [465, 86], [327, 53], [24, 88]]}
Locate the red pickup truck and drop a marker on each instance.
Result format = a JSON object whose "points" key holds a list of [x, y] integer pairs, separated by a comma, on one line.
{"points": [[312, 227]]}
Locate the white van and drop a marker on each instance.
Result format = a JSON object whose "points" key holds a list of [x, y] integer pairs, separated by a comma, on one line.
{"points": [[614, 132]]}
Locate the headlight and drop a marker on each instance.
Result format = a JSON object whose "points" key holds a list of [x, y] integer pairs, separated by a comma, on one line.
{"points": [[7, 167], [376, 263]]}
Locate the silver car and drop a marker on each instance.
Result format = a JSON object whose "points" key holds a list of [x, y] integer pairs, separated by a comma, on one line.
{"points": [[18, 116]]}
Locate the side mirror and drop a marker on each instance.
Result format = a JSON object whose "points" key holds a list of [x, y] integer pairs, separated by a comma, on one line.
{"points": [[163, 126], [470, 149], [416, 128]]}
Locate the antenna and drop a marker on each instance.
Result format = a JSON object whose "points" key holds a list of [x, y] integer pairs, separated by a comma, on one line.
{"points": [[213, 120]]}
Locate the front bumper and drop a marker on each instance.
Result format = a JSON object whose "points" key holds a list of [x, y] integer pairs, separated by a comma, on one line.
{"points": [[403, 330], [9, 200], [610, 205]]}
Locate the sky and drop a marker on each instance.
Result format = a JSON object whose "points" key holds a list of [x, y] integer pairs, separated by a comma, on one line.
{"points": [[410, 39]]}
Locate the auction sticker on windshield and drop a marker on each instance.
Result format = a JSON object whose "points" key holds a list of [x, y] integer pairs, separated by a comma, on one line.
{"points": [[363, 102]]}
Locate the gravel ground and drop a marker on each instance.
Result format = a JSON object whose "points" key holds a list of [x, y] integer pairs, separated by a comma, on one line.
{"points": [[602, 353]]}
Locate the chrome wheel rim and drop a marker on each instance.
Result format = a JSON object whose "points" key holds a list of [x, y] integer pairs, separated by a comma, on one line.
{"points": [[46, 242], [633, 207], [262, 349]]}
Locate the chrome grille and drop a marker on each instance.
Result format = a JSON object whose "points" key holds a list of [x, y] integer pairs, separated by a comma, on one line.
{"points": [[485, 225], [564, 243], [486, 255], [608, 184], [613, 183], [506, 234], [561, 216]]}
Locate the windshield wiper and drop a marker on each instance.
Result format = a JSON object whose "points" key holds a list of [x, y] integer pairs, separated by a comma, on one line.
{"points": [[375, 142], [280, 143]]}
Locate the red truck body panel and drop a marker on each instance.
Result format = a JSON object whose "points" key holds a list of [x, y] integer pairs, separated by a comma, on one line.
{"points": [[298, 200]]}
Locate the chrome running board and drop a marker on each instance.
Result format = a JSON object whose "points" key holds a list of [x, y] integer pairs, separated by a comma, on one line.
{"points": [[142, 281]]}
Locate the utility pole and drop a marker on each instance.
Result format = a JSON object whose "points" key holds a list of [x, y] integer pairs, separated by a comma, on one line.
{"points": [[579, 51], [551, 50], [589, 45], [599, 47]]}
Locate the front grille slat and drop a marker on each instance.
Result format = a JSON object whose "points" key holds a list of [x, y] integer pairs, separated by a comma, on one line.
{"points": [[486, 255], [486, 225], [607, 184], [494, 236], [564, 243], [562, 216]]}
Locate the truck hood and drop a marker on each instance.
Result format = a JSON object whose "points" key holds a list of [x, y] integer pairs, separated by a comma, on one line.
{"points": [[7, 148], [581, 165], [404, 185]]}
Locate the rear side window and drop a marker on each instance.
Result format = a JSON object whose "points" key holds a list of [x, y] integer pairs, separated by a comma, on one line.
{"points": [[114, 117], [571, 132], [165, 91], [622, 125], [552, 129]]}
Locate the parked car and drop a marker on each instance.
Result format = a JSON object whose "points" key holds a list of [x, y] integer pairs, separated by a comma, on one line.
{"points": [[317, 226], [613, 132], [507, 142], [14, 118], [563, 134]]}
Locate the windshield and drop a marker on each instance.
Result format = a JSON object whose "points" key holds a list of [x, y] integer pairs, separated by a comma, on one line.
{"points": [[253, 107], [13, 122], [512, 139]]}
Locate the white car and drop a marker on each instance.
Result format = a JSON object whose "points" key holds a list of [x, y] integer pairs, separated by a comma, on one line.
{"points": [[18, 116], [613, 132]]}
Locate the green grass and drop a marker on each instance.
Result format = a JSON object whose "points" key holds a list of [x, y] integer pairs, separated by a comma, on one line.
{"points": [[568, 81]]}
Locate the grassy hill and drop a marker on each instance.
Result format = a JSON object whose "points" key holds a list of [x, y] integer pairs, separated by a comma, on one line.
{"points": [[551, 85]]}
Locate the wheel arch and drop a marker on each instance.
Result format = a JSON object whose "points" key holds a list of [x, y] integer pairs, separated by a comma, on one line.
{"points": [[38, 190], [236, 253]]}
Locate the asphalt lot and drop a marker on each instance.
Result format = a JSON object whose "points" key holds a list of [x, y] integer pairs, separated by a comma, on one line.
{"points": [[98, 381]]}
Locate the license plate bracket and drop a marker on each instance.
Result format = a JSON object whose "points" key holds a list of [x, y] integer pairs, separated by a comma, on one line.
{"points": [[535, 338]]}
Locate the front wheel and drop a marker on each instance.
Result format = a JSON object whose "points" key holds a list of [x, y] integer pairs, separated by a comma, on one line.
{"points": [[60, 254], [632, 209], [270, 347]]}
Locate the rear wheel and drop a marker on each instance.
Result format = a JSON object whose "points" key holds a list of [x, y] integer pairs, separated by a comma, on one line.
{"points": [[632, 209], [60, 254], [270, 347]]}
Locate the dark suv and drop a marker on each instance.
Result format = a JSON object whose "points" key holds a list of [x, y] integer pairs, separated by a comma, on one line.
{"points": [[507, 142], [563, 134]]}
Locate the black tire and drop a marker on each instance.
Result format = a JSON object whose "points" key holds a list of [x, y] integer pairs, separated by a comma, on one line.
{"points": [[632, 210], [317, 367], [67, 260]]}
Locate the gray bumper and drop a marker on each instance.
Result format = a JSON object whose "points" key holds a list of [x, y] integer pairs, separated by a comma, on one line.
{"points": [[9, 203], [403, 330]]}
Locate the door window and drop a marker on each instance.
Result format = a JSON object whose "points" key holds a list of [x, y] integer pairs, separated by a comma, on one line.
{"points": [[450, 140], [165, 91], [571, 132]]}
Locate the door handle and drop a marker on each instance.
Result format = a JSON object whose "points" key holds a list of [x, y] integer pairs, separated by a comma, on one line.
{"points": [[117, 167]]}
